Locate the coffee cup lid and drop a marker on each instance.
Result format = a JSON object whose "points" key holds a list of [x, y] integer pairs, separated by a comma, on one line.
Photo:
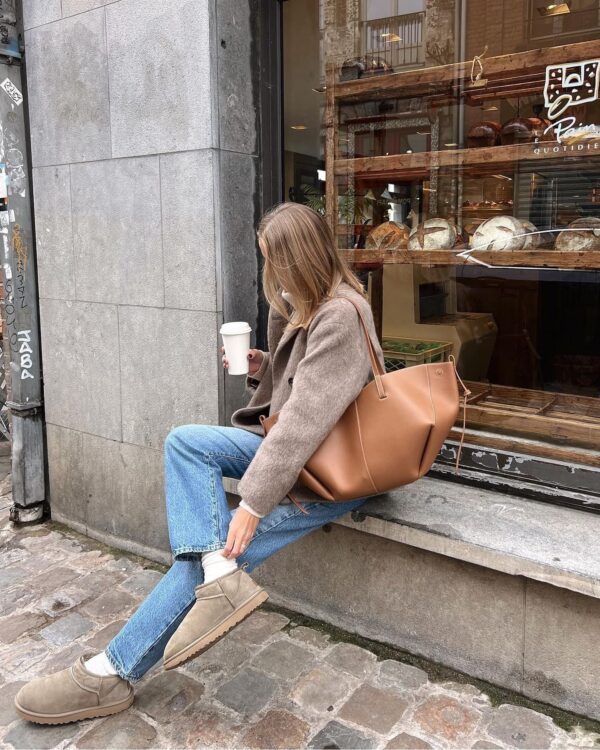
{"points": [[235, 327]]}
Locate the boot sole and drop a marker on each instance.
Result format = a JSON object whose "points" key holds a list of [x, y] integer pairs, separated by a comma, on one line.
{"points": [[202, 644], [69, 716]]}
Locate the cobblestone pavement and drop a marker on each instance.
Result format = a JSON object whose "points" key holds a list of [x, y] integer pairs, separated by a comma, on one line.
{"points": [[271, 683]]}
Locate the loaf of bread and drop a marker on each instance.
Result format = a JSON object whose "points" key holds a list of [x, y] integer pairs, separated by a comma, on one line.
{"points": [[388, 236], [499, 233], [432, 234], [524, 130], [486, 133], [581, 234]]}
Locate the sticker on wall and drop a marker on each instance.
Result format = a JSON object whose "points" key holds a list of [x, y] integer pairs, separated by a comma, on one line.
{"points": [[7, 271], [12, 91]]}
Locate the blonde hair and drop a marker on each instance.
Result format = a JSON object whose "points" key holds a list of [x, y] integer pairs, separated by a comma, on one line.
{"points": [[301, 257]]}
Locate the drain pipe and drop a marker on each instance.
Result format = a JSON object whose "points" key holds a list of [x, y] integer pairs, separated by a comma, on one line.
{"points": [[21, 319]]}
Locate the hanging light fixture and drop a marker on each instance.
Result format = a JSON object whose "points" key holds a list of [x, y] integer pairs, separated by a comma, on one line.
{"points": [[554, 9]]}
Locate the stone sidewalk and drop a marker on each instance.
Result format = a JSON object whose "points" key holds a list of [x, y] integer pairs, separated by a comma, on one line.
{"points": [[273, 682]]}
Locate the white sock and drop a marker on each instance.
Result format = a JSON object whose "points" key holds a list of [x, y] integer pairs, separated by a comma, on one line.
{"points": [[100, 666], [216, 565]]}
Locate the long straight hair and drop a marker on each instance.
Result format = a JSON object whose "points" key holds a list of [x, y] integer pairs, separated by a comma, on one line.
{"points": [[301, 257]]}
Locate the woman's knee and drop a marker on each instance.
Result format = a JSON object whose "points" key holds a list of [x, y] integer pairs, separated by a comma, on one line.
{"points": [[198, 436]]}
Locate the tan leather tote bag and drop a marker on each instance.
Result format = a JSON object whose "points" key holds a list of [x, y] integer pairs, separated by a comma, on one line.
{"points": [[390, 434]]}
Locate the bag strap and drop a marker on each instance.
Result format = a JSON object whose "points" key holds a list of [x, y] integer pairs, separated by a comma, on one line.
{"points": [[376, 366], [297, 504], [466, 392]]}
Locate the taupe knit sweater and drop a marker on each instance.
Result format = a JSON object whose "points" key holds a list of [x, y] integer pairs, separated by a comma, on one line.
{"points": [[310, 376]]}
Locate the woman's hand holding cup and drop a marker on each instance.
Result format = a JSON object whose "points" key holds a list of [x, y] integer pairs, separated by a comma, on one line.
{"points": [[255, 358]]}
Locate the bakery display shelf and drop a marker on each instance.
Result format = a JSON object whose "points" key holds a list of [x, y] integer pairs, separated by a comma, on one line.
{"points": [[397, 166], [500, 70], [541, 414], [585, 260]]}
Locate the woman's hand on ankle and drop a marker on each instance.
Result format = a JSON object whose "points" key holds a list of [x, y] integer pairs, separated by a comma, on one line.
{"points": [[241, 530]]}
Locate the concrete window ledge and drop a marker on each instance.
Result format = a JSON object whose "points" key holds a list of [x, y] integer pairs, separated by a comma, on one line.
{"points": [[549, 543], [544, 542]]}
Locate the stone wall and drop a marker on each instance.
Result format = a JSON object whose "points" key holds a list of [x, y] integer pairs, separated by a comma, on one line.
{"points": [[143, 124]]}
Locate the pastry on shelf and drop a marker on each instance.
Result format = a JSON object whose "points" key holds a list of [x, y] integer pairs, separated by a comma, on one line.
{"points": [[432, 234], [482, 134], [524, 130], [581, 234], [388, 236], [499, 233]]}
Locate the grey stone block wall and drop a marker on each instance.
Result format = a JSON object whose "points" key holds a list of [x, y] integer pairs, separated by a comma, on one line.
{"points": [[143, 125]]}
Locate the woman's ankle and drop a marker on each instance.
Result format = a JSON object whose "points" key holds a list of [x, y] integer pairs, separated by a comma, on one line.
{"points": [[215, 565], [100, 666]]}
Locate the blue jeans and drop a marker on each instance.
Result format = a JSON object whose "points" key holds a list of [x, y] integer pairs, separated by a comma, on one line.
{"points": [[197, 457]]}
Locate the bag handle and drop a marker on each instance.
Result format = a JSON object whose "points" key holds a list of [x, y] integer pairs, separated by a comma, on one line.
{"points": [[376, 366]]}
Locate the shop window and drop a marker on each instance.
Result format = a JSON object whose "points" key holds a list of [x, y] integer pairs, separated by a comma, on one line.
{"points": [[464, 188]]}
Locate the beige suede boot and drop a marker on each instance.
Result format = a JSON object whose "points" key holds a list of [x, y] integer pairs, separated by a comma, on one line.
{"points": [[219, 606], [72, 694]]}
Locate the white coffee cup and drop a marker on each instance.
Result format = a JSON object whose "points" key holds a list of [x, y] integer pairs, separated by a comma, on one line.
{"points": [[236, 340]]}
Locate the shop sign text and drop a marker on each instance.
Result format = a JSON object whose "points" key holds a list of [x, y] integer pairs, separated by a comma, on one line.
{"points": [[570, 85]]}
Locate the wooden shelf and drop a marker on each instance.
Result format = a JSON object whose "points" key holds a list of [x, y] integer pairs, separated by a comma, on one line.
{"points": [[501, 259], [524, 65], [560, 417], [496, 157]]}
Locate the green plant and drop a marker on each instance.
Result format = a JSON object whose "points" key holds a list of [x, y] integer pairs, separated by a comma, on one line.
{"points": [[314, 198]]}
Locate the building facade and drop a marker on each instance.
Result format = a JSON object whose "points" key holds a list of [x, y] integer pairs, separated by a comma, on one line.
{"points": [[453, 147]]}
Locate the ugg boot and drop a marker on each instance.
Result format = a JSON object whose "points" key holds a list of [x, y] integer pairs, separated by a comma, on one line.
{"points": [[219, 606], [72, 695]]}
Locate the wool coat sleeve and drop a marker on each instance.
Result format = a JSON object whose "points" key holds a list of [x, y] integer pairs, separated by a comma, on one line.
{"points": [[329, 377]]}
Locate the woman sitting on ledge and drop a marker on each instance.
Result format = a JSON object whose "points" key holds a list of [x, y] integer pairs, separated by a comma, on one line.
{"points": [[316, 365]]}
